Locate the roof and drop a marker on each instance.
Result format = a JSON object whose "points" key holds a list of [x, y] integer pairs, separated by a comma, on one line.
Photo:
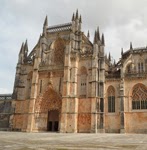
{"points": [[60, 27], [134, 50]]}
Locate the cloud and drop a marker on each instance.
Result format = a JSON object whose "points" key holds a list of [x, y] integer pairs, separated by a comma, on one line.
{"points": [[121, 21]]}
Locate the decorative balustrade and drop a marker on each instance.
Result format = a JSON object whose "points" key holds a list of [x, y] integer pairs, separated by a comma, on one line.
{"points": [[136, 74], [113, 75]]}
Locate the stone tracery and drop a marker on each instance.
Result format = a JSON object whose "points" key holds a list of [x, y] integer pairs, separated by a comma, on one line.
{"points": [[139, 97]]}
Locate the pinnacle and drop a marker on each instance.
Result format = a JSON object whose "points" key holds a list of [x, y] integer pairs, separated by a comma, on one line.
{"points": [[73, 17], [77, 15], [95, 37], [98, 33], [109, 57], [45, 21], [88, 34], [26, 46], [103, 39], [131, 47], [122, 51]]}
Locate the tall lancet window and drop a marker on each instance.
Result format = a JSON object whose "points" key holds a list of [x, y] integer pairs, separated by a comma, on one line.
{"points": [[111, 99], [83, 83], [139, 96], [140, 66]]}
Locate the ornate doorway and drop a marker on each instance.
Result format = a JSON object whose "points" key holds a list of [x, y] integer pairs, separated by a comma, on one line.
{"points": [[53, 121]]}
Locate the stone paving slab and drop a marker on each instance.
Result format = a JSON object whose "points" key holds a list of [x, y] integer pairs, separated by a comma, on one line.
{"points": [[60, 141]]}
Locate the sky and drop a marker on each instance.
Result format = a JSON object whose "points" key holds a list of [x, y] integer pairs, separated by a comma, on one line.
{"points": [[121, 21]]}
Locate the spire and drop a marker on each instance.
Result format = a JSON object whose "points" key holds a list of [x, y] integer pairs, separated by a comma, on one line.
{"points": [[73, 17], [45, 21], [98, 33], [22, 48], [80, 20], [103, 39], [109, 57], [88, 35], [131, 47], [95, 37], [26, 46], [122, 51], [77, 15]]}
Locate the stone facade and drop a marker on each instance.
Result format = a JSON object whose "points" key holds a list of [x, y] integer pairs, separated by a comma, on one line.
{"points": [[68, 84], [6, 111]]}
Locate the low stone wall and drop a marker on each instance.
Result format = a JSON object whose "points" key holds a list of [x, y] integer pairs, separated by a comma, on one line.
{"points": [[6, 111]]}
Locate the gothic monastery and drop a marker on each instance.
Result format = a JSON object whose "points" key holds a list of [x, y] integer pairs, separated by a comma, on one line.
{"points": [[68, 84]]}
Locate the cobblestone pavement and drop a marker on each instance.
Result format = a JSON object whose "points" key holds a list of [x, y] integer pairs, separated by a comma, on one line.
{"points": [[60, 141]]}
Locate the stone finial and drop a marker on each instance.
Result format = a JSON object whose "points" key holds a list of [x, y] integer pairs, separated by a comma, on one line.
{"points": [[131, 47], [98, 33], [95, 38], [77, 14], [26, 46], [122, 51], [88, 35], [45, 21], [109, 57], [73, 17], [103, 39]]}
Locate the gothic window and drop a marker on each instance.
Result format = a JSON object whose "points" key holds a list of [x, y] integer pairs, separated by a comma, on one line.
{"points": [[129, 68], [59, 46], [139, 97], [83, 84], [140, 67], [111, 99]]}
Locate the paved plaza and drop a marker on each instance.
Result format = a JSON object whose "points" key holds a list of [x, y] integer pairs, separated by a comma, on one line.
{"points": [[60, 141]]}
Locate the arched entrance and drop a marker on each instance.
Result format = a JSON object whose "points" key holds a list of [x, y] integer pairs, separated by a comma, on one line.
{"points": [[48, 108], [53, 121]]}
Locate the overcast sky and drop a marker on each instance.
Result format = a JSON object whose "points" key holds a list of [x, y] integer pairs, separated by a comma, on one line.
{"points": [[121, 21]]}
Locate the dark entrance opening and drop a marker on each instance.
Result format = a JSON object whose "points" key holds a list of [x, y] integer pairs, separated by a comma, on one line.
{"points": [[53, 121]]}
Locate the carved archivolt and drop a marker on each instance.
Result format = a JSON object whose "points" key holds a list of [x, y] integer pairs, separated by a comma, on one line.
{"points": [[50, 100]]}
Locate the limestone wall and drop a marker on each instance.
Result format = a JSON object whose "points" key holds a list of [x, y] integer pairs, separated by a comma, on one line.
{"points": [[112, 120], [84, 115], [6, 111], [136, 122]]}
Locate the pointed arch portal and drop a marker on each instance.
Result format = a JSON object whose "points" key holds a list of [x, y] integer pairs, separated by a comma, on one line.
{"points": [[48, 108]]}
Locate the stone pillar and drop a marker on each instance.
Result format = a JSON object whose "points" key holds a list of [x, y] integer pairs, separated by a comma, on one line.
{"points": [[101, 89], [66, 88], [33, 95], [94, 90]]}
